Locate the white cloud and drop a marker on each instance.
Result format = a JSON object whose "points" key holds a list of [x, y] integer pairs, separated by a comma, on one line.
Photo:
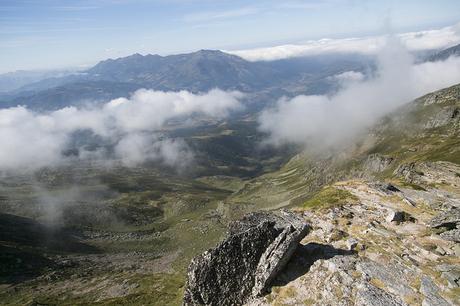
{"points": [[327, 121], [28, 139], [348, 76], [134, 149], [31, 140], [414, 41]]}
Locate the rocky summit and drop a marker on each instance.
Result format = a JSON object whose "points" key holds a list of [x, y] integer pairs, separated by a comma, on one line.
{"points": [[380, 244], [247, 261]]}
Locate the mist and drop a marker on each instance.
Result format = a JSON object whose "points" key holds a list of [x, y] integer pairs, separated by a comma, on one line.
{"points": [[413, 41], [32, 140], [324, 121]]}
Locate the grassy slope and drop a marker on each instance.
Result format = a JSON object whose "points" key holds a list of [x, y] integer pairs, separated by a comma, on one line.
{"points": [[408, 135]]}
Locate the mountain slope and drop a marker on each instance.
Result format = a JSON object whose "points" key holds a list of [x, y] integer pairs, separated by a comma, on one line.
{"points": [[389, 233], [445, 54], [73, 94], [384, 214], [14, 80], [198, 71], [425, 130]]}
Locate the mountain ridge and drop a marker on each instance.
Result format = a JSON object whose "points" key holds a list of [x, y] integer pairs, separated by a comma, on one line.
{"points": [[196, 72], [445, 54]]}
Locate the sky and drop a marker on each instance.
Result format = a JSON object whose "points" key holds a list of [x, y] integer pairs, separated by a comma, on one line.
{"points": [[50, 34]]}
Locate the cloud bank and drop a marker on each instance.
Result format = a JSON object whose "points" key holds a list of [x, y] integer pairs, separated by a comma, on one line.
{"points": [[131, 126], [327, 121], [413, 41]]}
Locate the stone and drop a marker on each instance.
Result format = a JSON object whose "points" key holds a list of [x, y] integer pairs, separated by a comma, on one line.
{"points": [[352, 244], [391, 187], [369, 295], [385, 187], [335, 235], [377, 163], [445, 267], [431, 293], [246, 262], [440, 251], [398, 216], [393, 275], [409, 201], [452, 277], [452, 235], [407, 171], [449, 219], [457, 249]]}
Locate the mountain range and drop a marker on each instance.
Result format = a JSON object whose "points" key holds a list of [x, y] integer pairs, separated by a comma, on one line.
{"points": [[196, 72]]}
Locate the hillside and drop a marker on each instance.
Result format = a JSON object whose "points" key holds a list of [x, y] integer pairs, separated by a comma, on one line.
{"points": [[425, 130], [387, 234], [134, 231], [383, 213]]}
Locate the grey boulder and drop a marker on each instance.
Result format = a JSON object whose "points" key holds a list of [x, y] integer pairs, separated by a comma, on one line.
{"points": [[246, 262]]}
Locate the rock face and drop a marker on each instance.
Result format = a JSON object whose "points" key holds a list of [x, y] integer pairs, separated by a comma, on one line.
{"points": [[450, 222], [377, 163], [369, 295], [244, 264], [446, 219], [427, 173]]}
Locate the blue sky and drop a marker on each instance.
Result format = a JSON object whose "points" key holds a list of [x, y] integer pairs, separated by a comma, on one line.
{"points": [[51, 34]]}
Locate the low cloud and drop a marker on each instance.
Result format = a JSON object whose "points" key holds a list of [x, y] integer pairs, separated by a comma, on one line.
{"points": [[413, 41], [31, 140], [348, 76], [327, 121], [134, 149]]}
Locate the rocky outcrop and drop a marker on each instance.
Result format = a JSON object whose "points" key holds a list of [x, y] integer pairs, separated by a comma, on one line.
{"points": [[452, 235], [430, 173], [448, 219], [446, 116], [431, 293], [385, 187], [377, 163], [390, 252], [246, 262], [449, 222], [369, 295]]}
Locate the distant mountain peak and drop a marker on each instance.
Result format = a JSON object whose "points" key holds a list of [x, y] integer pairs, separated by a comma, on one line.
{"points": [[211, 52]]}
